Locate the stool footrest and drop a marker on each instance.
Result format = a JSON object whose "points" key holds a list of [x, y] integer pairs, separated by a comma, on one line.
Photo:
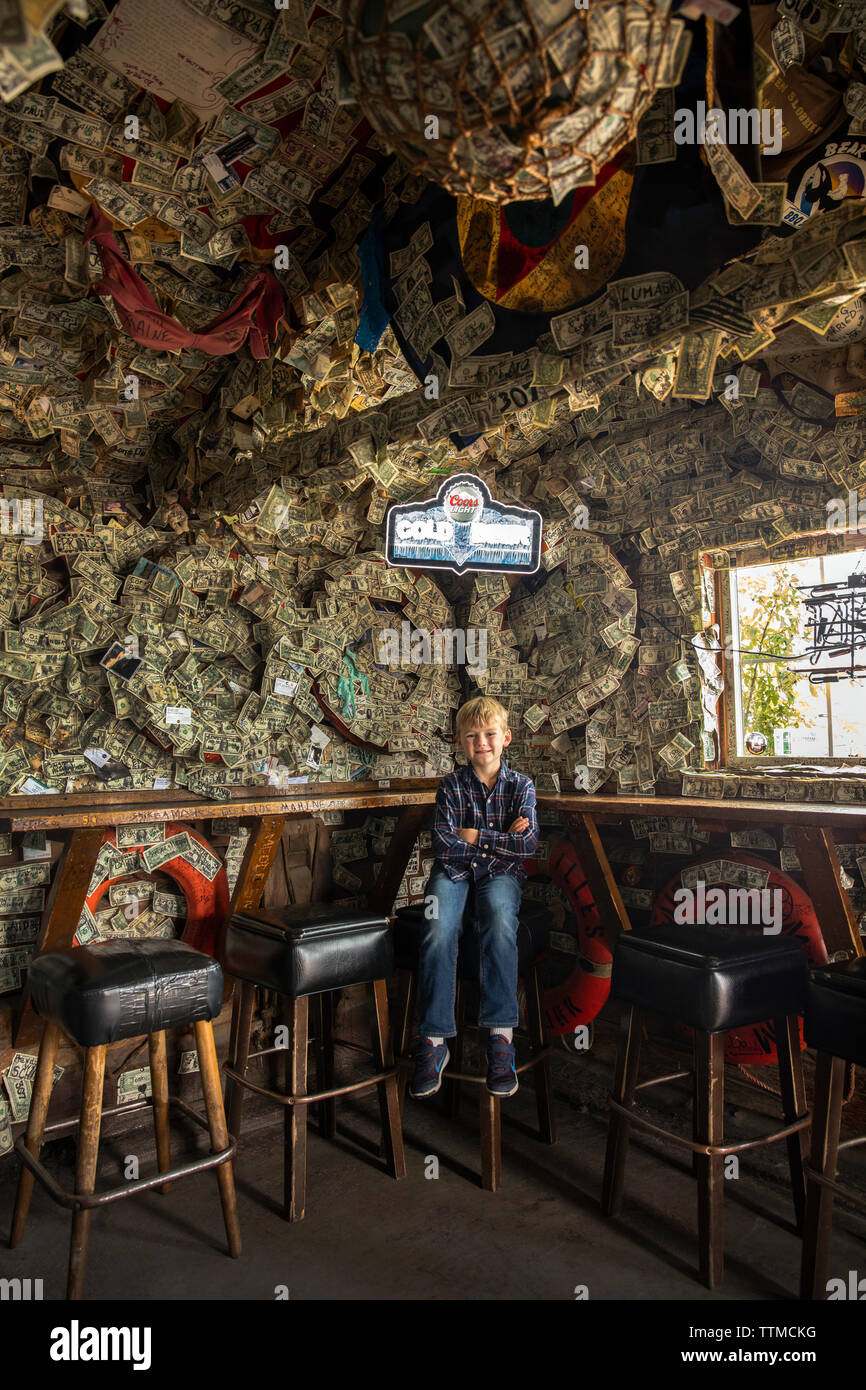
{"points": [[709, 1149], [659, 1080], [857, 1199], [280, 1098], [85, 1201], [450, 1075], [312, 1041]]}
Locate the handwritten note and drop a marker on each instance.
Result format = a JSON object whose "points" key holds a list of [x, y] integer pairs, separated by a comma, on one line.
{"points": [[172, 50]]}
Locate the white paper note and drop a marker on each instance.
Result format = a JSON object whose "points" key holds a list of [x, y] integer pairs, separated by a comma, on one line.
{"points": [[172, 50]]}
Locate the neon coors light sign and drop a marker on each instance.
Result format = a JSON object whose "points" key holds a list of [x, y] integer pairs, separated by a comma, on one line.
{"points": [[462, 529]]}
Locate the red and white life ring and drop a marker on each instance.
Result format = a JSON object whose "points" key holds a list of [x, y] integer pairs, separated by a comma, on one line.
{"points": [[207, 902], [756, 1046], [583, 995]]}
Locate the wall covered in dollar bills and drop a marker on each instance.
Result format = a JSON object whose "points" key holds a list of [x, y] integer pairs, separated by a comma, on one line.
{"points": [[204, 417]]}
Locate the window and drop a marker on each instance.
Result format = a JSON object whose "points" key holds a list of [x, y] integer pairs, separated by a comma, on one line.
{"points": [[773, 711]]}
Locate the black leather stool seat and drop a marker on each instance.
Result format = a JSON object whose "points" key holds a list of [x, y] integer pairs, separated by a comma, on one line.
{"points": [[532, 939], [836, 1010], [310, 948], [710, 978], [122, 989]]}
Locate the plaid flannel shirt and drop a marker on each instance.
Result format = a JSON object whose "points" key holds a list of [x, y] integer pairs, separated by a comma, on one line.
{"points": [[463, 802]]}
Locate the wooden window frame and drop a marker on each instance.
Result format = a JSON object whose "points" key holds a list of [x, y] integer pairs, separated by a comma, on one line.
{"points": [[824, 543]]}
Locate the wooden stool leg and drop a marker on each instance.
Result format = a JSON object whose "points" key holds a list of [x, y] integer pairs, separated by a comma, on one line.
{"points": [[42, 1084], [219, 1134], [455, 1047], [793, 1088], [826, 1123], [231, 1055], [325, 1070], [315, 1038], [538, 1041], [295, 1118], [389, 1104], [710, 1069], [159, 1091], [244, 1003], [85, 1169], [491, 1140], [407, 983], [619, 1126]]}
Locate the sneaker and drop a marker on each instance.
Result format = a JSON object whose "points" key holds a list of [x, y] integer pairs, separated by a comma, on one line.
{"points": [[501, 1073], [430, 1062]]}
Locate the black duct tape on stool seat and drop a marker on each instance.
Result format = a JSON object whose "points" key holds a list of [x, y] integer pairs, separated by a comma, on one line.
{"points": [[122, 989], [710, 978], [309, 949], [534, 922], [836, 1010]]}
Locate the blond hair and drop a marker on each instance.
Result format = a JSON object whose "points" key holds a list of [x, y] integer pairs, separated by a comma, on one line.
{"points": [[482, 710]]}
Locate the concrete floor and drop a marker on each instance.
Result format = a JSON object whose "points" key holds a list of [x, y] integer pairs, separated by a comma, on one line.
{"points": [[367, 1237]]}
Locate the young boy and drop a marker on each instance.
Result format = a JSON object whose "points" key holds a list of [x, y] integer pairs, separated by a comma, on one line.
{"points": [[485, 826]]}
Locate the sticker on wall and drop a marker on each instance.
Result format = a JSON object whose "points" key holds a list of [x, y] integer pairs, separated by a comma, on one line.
{"points": [[463, 529]]}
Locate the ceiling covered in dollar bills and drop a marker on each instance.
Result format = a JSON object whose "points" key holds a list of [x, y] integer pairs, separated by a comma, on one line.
{"points": [[235, 326]]}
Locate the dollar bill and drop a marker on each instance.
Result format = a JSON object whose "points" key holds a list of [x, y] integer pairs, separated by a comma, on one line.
{"points": [[80, 130], [789, 43], [855, 104], [732, 179], [743, 875], [768, 212], [576, 325], [642, 326], [130, 892], [78, 160], [175, 846], [662, 842], [655, 133], [15, 930], [134, 1085], [18, 1079], [133, 836], [203, 859], [116, 201], [710, 872], [24, 876], [468, 335], [247, 79], [145, 152], [22, 900], [93, 69], [672, 57], [283, 102], [696, 364], [169, 904], [6, 1140]]}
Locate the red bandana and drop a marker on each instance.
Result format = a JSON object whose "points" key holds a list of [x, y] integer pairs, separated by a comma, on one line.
{"points": [[256, 311]]}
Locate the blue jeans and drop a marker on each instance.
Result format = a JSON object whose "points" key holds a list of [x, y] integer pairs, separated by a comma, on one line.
{"points": [[497, 903]]}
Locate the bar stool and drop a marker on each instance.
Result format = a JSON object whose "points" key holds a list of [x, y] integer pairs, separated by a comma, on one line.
{"points": [[299, 952], [104, 994], [532, 942], [712, 979], [836, 1027]]}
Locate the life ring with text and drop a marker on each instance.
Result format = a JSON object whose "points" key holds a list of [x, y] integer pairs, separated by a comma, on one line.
{"points": [[583, 995], [792, 911], [207, 901]]}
